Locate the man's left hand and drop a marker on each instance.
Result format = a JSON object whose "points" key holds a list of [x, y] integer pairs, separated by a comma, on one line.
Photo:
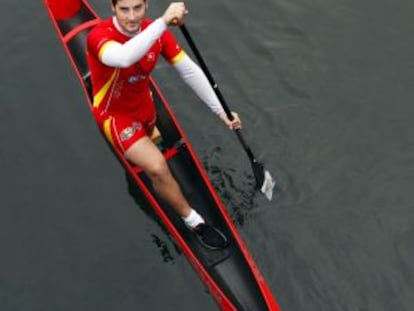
{"points": [[234, 124]]}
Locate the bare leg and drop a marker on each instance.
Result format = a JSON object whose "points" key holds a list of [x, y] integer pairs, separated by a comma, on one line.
{"points": [[146, 155]]}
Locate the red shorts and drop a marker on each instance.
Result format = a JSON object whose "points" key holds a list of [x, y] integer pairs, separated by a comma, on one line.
{"points": [[123, 130]]}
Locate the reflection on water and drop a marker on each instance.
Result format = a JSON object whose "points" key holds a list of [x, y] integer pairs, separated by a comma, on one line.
{"points": [[236, 195]]}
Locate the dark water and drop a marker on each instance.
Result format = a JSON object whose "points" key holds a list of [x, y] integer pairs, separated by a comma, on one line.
{"points": [[325, 90]]}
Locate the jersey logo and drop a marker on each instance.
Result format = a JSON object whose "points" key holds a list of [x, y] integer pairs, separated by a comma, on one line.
{"points": [[128, 132], [136, 78]]}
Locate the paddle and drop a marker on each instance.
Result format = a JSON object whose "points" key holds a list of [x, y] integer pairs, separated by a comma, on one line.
{"points": [[264, 180]]}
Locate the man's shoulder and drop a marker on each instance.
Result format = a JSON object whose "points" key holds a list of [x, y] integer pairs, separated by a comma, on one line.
{"points": [[101, 33], [104, 26]]}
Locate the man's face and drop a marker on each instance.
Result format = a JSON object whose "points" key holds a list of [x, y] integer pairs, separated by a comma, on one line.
{"points": [[130, 13]]}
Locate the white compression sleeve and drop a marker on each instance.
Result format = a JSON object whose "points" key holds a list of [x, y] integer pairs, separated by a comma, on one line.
{"points": [[193, 76], [124, 55]]}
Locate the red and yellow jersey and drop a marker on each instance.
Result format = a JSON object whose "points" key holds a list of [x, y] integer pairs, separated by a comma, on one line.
{"points": [[125, 90]]}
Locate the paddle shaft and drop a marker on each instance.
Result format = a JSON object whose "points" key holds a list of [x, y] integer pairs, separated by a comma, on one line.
{"points": [[214, 85]]}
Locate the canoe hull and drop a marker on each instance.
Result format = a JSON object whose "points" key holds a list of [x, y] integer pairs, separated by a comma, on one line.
{"points": [[230, 275]]}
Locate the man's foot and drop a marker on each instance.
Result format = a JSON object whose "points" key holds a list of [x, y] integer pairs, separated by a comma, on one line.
{"points": [[210, 237]]}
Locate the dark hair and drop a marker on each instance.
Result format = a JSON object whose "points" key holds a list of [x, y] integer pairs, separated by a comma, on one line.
{"points": [[114, 2]]}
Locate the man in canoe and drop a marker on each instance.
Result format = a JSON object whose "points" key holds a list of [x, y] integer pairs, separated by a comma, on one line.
{"points": [[122, 52]]}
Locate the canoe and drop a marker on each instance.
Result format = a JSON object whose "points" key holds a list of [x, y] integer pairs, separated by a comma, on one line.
{"points": [[230, 275]]}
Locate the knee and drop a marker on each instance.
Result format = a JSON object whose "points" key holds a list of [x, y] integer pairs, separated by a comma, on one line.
{"points": [[158, 171]]}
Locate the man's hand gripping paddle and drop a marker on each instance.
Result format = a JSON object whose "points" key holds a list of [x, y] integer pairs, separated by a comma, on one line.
{"points": [[264, 181]]}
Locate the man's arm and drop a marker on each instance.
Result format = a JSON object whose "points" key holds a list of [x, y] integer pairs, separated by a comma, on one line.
{"points": [[115, 54], [196, 79], [192, 74]]}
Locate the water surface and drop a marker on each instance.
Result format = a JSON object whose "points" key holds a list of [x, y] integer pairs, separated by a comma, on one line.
{"points": [[325, 93]]}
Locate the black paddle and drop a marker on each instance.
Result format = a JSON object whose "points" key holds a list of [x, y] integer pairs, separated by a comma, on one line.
{"points": [[264, 180]]}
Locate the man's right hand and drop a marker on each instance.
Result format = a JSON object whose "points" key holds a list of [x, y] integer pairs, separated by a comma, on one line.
{"points": [[174, 14]]}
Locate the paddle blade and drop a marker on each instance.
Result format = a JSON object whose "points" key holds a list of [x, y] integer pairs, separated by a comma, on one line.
{"points": [[268, 185], [264, 180]]}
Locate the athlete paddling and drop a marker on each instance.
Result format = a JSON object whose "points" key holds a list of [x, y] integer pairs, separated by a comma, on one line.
{"points": [[122, 51]]}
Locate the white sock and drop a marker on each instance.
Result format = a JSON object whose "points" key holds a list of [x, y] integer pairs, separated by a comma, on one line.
{"points": [[193, 219]]}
